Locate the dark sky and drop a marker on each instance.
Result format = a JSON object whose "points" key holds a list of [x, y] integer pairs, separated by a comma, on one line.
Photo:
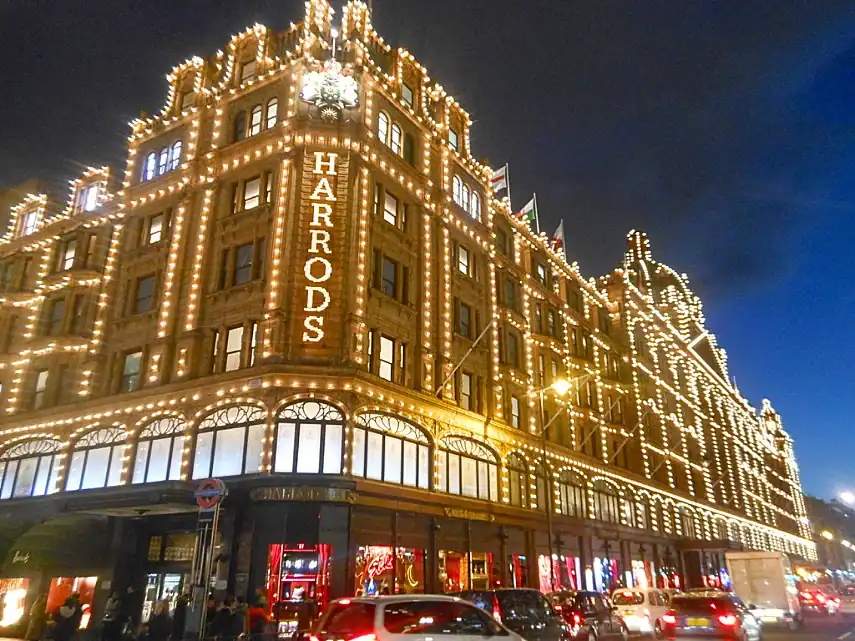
{"points": [[724, 129]]}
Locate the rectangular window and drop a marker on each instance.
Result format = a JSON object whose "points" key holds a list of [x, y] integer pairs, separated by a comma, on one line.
{"points": [[402, 363], [387, 358], [144, 299], [188, 99], [466, 391], [453, 139], [69, 249], [550, 323], [501, 241], [247, 71], [253, 342], [243, 265], [516, 420], [252, 193], [268, 187], [371, 350], [91, 244], [78, 314], [540, 270], [234, 343], [131, 368], [255, 121], [389, 277], [554, 370], [30, 221], [512, 356], [40, 389], [155, 229], [55, 319], [541, 370], [463, 260], [390, 209], [89, 198], [510, 294], [215, 352], [464, 320], [407, 94]]}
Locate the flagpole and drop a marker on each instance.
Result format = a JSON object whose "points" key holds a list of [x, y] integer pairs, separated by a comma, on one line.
{"points": [[508, 180], [536, 215]]}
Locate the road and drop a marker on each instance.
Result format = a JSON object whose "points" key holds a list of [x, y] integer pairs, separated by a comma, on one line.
{"points": [[817, 629]]}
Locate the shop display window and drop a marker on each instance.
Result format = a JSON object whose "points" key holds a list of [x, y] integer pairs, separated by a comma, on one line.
{"points": [[461, 571], [298, 573], [642, 574], [62, 588], [518, 565], [163, 587], [380, 571], [14, 593], [606, 575], [172, 548], [566, 571]]}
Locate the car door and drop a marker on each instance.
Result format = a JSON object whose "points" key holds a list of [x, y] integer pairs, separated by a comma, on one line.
{"points": [[656, 601], [605, 616], [426, 620]]}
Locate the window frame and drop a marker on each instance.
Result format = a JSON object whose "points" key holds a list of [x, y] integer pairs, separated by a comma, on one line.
{"points": [[299, 416], [17, 454], [112, 438], [248, 417], [161, 429], [465, 452], [271, 113], [369, 427], [131, 381]]}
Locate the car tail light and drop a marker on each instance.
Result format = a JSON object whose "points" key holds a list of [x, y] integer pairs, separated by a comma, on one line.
{"points": [[669, 618], [365, 637], [497, 613], [577, 620], [727, 620], [820, 598], [807, 596], [556, 607], [312, 637]]}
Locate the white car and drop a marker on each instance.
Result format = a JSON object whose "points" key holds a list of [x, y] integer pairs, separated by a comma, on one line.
{"points": [[411, 617], [641, 609]]}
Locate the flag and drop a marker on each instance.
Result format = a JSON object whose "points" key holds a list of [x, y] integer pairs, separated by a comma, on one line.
{"points": [[529, 212], [499, 181], [558, 237]]}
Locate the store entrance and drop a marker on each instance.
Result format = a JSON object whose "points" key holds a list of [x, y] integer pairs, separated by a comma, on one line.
{"points": [[164, 586]]}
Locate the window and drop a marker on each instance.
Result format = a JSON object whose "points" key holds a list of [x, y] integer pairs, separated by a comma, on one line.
{"points": [[512, 351], [175, 155], [66, 258], [457, 190], [91, 244], [517, 481], [452, 139], [464, 320], [572, 494], [464, 202], [252, 193], [131, 367], [389, 277], [446, 619], [159, 449], [475, 206], [57, 307], [239, 126], [606, 502], [395, 141], [550, 323], [78, 314], [243, 264], [387, 358], [516, 418], [540, 272], [309, 439], [467, 468], [688, 524], [255, 121], [247, 71], [89, 197], [407, 94], [389, 449], [501, 241], [40, 389], [30, 468], [463, 260], [150, 166], [96, 460], [253, 342], [390, 209], [188, 99], [542, 486], [144, 299], [272, 112], [230, 441], [466, 391], [163, 161], [510, 294], [383, 127], [268, 187], [155, 229], [234, 344]]}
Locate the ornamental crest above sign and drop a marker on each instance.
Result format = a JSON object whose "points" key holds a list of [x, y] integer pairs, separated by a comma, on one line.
{"points": [[331, 88]]}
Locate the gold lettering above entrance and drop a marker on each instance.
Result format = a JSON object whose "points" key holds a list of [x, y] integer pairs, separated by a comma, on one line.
{"points": [[330, 494], [469, 515]]}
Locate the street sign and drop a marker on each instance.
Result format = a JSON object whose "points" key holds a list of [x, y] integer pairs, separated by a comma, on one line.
{"points": [[209, 493]]}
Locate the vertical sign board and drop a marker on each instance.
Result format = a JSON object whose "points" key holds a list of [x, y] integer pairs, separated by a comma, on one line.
{"points": [[209, 496], [321, 252]]}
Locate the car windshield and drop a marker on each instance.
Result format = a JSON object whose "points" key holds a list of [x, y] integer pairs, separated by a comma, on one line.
{"points": [[438, 617], [702, 605], [522, 605], [347, 620], [628, 598]]}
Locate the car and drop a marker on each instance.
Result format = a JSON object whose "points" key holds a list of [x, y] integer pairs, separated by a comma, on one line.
{"points": [[710, 616], [847, 599], [524, 611], [641, 609], [590, 615], [294, 619], [817, 601], [406, 618]]}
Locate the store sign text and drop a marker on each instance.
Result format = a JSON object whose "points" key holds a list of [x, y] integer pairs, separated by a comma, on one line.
{"points": [[318, 269]]}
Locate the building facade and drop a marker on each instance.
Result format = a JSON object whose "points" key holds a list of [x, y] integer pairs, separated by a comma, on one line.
{"points": [[301, 283]]}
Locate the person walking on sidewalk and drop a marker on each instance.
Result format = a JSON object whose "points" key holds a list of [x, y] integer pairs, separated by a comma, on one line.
{"points": [[38, 619], [111, 627], [64, 618]]}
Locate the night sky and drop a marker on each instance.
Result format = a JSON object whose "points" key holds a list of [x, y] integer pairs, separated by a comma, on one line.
{"points": [[726, 130]]}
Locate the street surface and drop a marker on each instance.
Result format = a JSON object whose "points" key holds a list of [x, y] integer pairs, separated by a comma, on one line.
{"points": [[816, 629]]}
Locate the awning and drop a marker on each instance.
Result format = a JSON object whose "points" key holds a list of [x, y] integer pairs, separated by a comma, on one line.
{"points": [[10, 530], [71, 545]]}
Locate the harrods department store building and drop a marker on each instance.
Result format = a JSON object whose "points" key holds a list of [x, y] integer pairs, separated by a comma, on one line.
{"points": [[302, 284]]}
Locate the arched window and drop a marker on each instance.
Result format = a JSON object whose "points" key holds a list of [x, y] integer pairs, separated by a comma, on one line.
{"points": [[572, 496], [475, 205], [96, 460], [517, 480], [542, 486], [150, 166], [309, 439], [606, 502], [29, 469], [464, 202], [159, 448], [385, 448], [396, 142], [255, 120], [229, 442], [457, 190], [239, 126], [467, 468], [272, 112], [628, 505], [163, 161], [175, 155], [383, 127], [687, 519]]}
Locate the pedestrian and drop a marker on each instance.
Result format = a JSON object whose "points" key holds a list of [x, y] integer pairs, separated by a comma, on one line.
{"points": [[38, 619], [221, 625], [129, 612], [257, 620], [160, 624], [63, 621], [111, 627], [78, 609], [179, 617], [240, 617]]}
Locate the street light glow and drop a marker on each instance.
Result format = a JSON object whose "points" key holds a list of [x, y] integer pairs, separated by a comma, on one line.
{"points": [[828, 536], [847, 497], [561, 387]]}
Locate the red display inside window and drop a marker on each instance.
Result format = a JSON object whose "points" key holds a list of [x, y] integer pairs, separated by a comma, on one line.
{"points": [[298, 573]]}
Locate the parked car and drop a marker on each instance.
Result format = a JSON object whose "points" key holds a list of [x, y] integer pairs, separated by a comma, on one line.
{"points": [[721, 615], [405, 618], [641, 609], [524, 611], [816, 600], [847, 599], [590, 615]]}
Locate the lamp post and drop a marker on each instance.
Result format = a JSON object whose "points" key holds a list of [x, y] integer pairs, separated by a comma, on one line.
{"points": [[560, 387]]}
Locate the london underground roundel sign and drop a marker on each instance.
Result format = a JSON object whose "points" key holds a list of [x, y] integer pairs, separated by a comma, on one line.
{"points": [[210, 492]]}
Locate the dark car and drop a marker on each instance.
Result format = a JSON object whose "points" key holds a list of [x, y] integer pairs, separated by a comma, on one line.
{"points": [[818, 601], [526, 612], [590, 615], [710, 615], [294, 619]]}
